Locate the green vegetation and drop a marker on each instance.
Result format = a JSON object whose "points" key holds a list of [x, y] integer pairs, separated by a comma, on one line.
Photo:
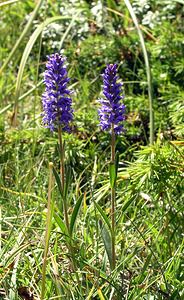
{"points": [[40, 258]]}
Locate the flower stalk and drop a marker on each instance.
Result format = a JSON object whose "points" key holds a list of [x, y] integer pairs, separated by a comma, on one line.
{"points": [[62, 175], [48, 229], [113, 197], [57, 109], [57, 115], [112, 115]]}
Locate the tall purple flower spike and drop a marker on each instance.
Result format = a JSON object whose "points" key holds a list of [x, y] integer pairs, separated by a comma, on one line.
{"points": [[112, 109], [57, 104]]}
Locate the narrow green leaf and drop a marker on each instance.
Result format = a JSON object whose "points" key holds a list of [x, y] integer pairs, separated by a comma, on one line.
{"points": [[113, 171], [112, 174], [142, 275], [127, 204], [58, 181], [107, 243], [60, 223], [103, 215], [75, 214], [68, 176], [91, 293]]}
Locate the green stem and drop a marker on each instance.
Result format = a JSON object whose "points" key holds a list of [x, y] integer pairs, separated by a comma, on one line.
{"points": [[48, 229], [62, 174], [65, 206], [113, 195]]}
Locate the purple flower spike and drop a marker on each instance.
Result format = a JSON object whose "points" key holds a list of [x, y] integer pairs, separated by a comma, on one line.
{"points": [[112, 109], [56, 98]]}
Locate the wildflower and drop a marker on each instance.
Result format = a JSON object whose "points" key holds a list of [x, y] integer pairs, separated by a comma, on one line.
{"points": [[56, 98], [112, 111]]}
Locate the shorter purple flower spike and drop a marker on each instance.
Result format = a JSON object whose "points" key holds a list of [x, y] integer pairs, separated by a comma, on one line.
{"points": [[56, 98], [112, 111]]}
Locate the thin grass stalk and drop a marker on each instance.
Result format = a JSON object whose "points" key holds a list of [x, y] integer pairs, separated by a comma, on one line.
{"points": [[113, 195], [23, 34], [48, 229], [37, 76], [68, 29], [8, 2], [148, 69]]}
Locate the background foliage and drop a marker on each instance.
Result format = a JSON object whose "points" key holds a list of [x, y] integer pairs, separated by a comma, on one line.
{"points": [[150, 180]]}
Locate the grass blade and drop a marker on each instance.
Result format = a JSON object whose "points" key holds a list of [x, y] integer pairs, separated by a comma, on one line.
{"points": [[25, 31], [60, 223], [75, 214], [68, 29], [148, 69], [103, 215], [100, 294], [8, 2], [58, 181], [107, 244]]}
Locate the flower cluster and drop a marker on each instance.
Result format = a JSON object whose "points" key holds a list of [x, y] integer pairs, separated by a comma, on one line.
{"points": [[112, 111], [57, 103], [56, 98]]}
